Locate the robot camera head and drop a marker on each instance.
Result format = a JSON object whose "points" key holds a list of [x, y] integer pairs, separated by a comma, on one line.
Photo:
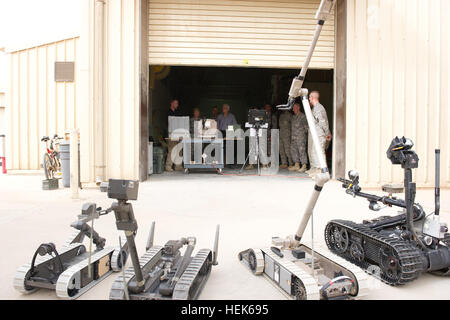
{"points": [[400, 152], [123, 189]]}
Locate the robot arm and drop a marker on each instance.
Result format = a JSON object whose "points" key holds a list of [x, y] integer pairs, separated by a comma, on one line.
{"points": [[352, 188], [89, 212], [325, 10]]}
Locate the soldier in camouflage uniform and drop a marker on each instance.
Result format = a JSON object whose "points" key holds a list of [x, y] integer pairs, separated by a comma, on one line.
{"points": [[285, 139], [299, 132], [323, 131]]}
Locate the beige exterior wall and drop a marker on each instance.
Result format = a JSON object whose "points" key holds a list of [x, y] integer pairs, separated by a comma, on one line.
{"points": [[237, 33], [2, 113], [114, 88], [36, 104], [398, 84], [2, 91], [397, 81]]}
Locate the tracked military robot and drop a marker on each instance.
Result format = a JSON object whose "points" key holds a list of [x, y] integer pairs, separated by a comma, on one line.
{"points": [[303, 272], [72, 269], [163, 272], [396, 249]]}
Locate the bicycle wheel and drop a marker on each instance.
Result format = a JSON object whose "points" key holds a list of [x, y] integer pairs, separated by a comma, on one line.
{"points": [[48, 167], [57, 167]]}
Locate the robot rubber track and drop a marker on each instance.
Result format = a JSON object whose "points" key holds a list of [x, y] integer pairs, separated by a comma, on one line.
{"points": [[73, 280], [188, 286], [393, 261], [67, 285], [395, 249], [301, 285], [163, 272]]}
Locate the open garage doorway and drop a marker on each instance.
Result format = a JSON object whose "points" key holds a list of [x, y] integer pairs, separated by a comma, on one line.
{"points": [[241, 88]]}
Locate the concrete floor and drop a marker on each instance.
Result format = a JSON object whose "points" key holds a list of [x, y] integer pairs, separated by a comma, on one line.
{"points": [[249, 209]]}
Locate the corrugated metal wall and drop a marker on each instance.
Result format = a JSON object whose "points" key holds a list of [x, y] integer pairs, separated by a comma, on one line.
{"points": [[120, 87], [398, 84], [2, 113], [237, 33], [36, 104]]}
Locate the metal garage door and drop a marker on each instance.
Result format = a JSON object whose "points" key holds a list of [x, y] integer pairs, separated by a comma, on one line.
{"points": [[237, 33]]}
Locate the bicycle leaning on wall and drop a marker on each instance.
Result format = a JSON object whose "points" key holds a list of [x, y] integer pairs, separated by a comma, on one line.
{"points": [[50, 162]]}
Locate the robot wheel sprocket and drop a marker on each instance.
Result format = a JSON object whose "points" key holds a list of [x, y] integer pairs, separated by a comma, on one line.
{"points": [[399, 262]]}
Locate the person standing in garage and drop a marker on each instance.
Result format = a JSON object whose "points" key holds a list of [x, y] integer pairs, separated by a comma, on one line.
{"points": [[323, 131], [299, 132], [225, 119], [215, 113], [285, 139], [173, 112], [192, 121]]}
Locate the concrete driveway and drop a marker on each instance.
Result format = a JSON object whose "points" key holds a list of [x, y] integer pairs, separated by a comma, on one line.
{"points": [[250, 210]]}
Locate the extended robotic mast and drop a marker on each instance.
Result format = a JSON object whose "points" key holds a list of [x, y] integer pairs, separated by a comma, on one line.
{"points": [[325, 11], [299, 271], [297, 90]]}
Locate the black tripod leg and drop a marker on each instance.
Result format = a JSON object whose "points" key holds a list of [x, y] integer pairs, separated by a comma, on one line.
{"points": [[246, 159]]}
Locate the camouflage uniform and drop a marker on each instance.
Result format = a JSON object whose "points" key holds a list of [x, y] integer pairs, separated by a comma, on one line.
{"points": [[285, 138], [299, 131], [321, 121]]}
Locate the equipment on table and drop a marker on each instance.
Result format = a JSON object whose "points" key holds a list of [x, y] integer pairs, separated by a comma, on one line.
{"points": [[178, 128], [204, 150], [162, 272], [203, 153], [300, 271], [206, 128], [396, 249], [72, 270]]}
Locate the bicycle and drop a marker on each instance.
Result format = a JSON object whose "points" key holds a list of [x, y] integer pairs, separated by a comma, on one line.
{"points": [[50, 161]]}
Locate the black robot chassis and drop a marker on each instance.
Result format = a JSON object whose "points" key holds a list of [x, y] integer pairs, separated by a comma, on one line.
{"points": [[396, 249]]}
